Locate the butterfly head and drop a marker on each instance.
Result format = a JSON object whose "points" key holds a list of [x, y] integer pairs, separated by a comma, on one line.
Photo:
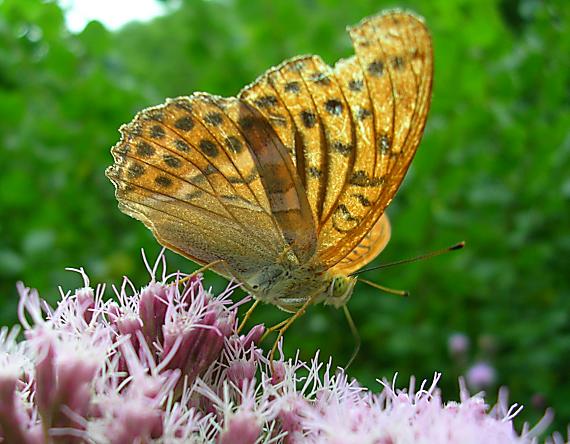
{"points": [[340, 290]]}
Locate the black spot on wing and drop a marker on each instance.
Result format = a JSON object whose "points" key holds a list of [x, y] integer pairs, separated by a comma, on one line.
{"points": [[362, 179], [334, 107], [163, 181], [135, 171], [292, 87], [383, 143], [320, 79], [209, 148], [309, 119], [314, 172], [183, 104], [233, 144], [376, 68], [157, 132], [172, 161], [362, 200], [181, 145], [213, 119], [209, 170], [184, 123], [246, 180], [246, 123], [343, 221], [154, 114], [356, 85], [145, 149], [363, 113], [266, 101], [342, 148], [398, 63]]}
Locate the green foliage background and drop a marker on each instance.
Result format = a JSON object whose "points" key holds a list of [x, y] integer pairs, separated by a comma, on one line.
{"points": [[493, 169]]}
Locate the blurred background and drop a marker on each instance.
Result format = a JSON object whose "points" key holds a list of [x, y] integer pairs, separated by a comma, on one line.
{"points": [[493, 170]]}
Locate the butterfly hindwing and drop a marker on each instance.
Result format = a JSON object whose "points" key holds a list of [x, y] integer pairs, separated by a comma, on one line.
{"points": [[369, 247]]}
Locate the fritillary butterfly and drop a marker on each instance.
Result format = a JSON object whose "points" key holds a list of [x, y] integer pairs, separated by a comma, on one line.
{"points": [[284, 187]]}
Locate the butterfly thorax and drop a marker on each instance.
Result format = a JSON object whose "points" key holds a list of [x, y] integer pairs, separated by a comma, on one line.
{"points": [[289, 285]]}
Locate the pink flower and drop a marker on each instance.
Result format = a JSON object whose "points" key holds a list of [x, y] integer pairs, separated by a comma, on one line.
{"points": [[458, 344], [165, 364], [481, 375]]}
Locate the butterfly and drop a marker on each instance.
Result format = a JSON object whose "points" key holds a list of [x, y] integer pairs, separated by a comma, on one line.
{"points": [[284, 187]]}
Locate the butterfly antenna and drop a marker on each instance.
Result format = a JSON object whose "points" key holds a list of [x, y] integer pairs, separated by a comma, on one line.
{"points": [[457, 246], [355, 335]]}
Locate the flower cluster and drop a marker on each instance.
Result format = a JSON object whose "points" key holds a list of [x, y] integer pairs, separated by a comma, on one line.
{"points": [[166, 365]]}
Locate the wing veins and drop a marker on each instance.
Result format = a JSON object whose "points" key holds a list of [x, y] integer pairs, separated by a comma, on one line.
{"points": [[216, 195], [352, 156], [228, 156], [392, 93], [185, 221], [323, 143], [391, 187], [170, 174], [419, 100], [174, 198], [252, 154], [250, 232]]}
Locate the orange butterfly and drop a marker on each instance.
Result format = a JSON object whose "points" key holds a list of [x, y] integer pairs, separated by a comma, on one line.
{"points": [[284, 187]]}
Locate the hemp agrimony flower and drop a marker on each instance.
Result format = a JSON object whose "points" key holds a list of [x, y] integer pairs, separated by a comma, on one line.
{"points": [[165, 364]]}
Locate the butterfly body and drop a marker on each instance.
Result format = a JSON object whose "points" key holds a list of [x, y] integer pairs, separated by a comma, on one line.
{"points": [[284, 187], [289, 285]]}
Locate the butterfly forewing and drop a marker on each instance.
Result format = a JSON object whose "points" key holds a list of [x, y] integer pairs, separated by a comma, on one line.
{"points": [[322, 132], [338, 133], [395, 54], [358, 191]]}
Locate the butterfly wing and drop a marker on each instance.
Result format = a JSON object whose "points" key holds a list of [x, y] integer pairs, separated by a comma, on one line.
{"points": [[352, 131], [212, 181], [394, 57], [304, 102], [369, 247]]}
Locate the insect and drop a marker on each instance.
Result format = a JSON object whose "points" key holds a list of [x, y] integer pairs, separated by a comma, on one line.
{"points": [[284, 187]]}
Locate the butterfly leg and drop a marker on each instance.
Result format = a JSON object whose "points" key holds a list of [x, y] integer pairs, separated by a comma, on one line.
{"points": [[247, 316], [274, 328], [200, 270], [283, 326]]}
